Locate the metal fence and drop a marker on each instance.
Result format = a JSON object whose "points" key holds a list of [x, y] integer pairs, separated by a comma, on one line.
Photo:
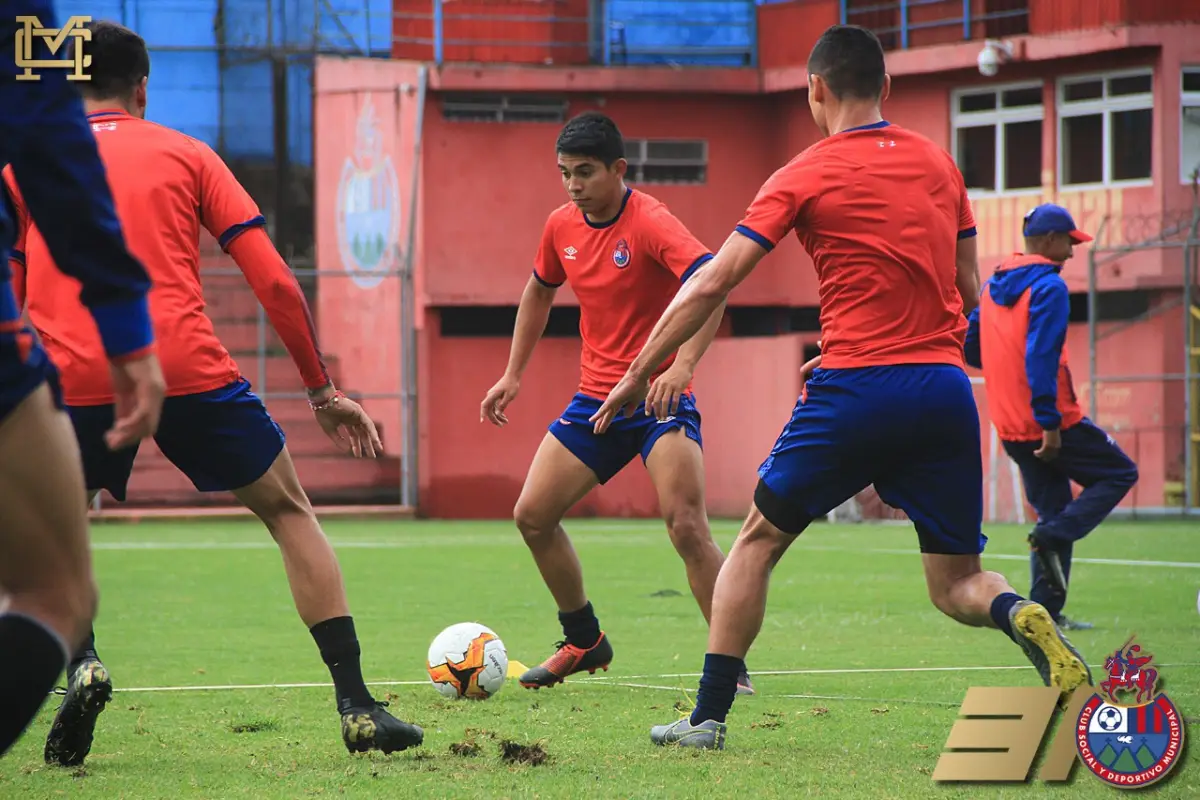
{"points": [[580, 32]]}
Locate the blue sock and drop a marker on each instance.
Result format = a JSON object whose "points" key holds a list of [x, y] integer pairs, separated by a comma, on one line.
{"points": [[1000, 608], [718, 686]]}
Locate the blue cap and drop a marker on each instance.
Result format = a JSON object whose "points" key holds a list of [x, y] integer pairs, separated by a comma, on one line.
{"points": [[1049, 218]]}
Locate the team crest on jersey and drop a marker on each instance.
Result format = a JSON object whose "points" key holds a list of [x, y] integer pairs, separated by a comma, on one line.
{"points": [[621, 254], [368, 206], [1129, 746]]}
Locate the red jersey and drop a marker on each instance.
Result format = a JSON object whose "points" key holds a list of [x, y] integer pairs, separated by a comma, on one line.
{"points": [[624, 273], [880, 210], [166, 185]]}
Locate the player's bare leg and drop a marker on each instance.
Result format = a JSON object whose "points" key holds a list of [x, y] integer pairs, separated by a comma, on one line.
{"points": [[739, 605], [557, 480], [316, 583], [45, 564], [89, 689], [676, 467], [962, 590]]}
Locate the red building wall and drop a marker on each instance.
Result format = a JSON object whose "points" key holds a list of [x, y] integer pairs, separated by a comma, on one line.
{"points": [[487, 188]]}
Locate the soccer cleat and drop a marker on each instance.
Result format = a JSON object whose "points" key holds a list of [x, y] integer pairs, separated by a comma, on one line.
{"points": [[1054, 657], [1067, 624], [1051, 564], [89, 689], [744, 686], [568, 660], [708, 735], [372, 728]]}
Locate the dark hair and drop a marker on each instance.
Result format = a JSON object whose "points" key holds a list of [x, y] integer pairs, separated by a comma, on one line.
{"points": [[592, 135], [850, 60], [119, 61]]}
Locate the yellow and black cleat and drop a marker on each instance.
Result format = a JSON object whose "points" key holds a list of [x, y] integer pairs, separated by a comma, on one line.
{"points": [[88, 691], [373, 728]]}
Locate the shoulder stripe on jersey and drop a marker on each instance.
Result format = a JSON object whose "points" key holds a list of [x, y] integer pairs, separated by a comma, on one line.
{"points": [[545, 282], [234, 231], [697, 264], [17, 256], [967, 233], [755, 236]]}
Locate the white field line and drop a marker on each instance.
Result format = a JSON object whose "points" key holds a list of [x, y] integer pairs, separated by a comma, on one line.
{"points": [[598, 680], [457, 542]]}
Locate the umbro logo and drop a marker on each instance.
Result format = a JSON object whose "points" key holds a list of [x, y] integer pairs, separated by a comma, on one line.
{"points": [[569, 253]]}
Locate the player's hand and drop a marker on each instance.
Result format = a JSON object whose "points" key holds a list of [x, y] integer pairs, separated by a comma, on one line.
{"points": [[806, 372], [497, 399], [662, 401], [138, 389], [346, 424], [625, 397], [1051, 444]]}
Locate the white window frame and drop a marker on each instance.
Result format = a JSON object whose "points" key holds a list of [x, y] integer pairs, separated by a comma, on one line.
{"points": [[636, 154], [1105, 106], [1186, 100], [997, 118]]}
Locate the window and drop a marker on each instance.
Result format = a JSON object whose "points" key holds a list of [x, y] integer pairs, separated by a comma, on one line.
{"points": [[1106, 128], [503, 108], [1189, 138], [997, 137], [667, 160]]}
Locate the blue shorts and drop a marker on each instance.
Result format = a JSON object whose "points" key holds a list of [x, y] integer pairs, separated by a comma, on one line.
{"points": [[221, 440], [911, 430], [607, 454], [24, 366]]}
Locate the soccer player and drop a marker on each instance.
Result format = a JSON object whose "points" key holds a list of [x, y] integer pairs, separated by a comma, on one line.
{"points": [[1017, 336], [883, 213], [47, 592], [213, 428], [625, 256]]}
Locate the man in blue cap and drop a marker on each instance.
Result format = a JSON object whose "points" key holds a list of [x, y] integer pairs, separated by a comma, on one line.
{"points": [[1017, 336]]}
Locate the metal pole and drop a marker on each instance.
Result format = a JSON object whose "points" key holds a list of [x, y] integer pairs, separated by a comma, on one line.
{"points": [[438, 32], [409, 476], [1092, 305], [1189, 342]]}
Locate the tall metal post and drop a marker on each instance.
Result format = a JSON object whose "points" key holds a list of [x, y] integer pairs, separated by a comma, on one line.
{"points": [[409, 421]]}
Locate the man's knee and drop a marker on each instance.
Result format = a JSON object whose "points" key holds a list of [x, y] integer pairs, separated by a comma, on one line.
{"points": [[277, 496], [687, 525], [533, 520]]}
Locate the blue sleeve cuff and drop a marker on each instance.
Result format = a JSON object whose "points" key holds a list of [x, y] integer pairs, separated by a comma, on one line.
{"points": [[967, 233], [545, 282], [697, 264], [756, 237], [235, 231], [17, 256], [125, 326]]}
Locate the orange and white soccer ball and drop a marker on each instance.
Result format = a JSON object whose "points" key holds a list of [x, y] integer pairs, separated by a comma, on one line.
{"points": [[467, 660]]}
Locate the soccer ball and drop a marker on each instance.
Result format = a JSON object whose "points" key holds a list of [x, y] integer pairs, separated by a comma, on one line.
{"points": [[1109, 718], [467, 660]]}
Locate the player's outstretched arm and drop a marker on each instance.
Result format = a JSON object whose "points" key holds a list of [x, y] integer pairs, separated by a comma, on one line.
{"points": [[532, 315], [692, 307]]}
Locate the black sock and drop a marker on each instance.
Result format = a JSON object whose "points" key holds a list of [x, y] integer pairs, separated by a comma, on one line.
{"points": [[86, 650], [339, 648], [718, 686], [31, 659], [1000, 608], [580, 628]]}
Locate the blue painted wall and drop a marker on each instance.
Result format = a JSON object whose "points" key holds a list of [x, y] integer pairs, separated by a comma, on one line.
{"points": [[696, 32], [226, 101]]}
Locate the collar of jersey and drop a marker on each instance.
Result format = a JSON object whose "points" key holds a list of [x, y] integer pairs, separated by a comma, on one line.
{"points": [[109, 112], [613, 221], [883, 123]]}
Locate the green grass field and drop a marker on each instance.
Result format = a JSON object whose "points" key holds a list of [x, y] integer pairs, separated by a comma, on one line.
{"points": [[859, 677]]}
